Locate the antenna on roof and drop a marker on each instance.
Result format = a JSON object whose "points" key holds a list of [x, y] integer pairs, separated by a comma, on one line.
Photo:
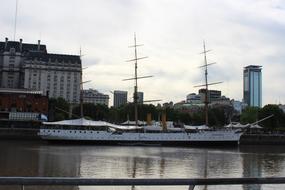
{"points": [[15, 23], [80, 52]]}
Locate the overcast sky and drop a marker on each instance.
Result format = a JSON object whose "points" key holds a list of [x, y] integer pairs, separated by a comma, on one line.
{"points": [[239, 33]]}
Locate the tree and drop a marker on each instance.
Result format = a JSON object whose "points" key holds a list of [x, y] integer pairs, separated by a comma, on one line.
{"points": [[95, 112], [220, 115], [58, 109], [113, 115], [198, 118], [184, 117], [249, 115], [277, 121]]}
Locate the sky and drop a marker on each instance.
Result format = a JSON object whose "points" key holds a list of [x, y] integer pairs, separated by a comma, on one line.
{"points": [[238, 33]]}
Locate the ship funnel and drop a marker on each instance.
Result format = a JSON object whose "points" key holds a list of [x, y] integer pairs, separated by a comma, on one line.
{"points": [[148, 119], [163, 121]]}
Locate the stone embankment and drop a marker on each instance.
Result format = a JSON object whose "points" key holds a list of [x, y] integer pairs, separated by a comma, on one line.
{"points": [[262, 139], [19, 134]]}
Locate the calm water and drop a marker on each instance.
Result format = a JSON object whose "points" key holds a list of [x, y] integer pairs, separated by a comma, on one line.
{"points": [[23, 158]]}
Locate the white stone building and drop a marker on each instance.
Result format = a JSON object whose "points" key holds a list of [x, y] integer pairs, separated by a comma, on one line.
{"points": [[193, 98], [30, 66], [95, 97]]}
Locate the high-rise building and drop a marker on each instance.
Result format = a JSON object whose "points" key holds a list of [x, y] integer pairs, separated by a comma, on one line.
{"points": [[193, 98], [95, 97], [213, 95], [30, 66], [252, 85], [120, 98], [140, 97]]}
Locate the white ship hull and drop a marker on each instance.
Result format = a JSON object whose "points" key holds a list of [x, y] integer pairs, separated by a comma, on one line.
{"points": [[219, 137]]}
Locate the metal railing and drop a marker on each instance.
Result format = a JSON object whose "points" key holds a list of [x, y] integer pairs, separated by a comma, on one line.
{"points": [[74, 181]]}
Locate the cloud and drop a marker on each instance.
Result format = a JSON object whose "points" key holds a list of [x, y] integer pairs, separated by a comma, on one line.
{"points": [[239, 33]]}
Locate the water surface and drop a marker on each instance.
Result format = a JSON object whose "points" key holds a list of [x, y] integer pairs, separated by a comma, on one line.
{"points": [[27, 158]]}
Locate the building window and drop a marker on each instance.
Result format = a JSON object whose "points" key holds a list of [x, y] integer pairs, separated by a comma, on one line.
{"points": [[12, 51]]}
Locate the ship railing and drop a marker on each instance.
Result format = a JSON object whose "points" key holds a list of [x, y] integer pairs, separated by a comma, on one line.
{"points": [[23, 182]]}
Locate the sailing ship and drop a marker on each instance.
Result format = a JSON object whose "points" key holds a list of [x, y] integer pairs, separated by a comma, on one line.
{"points": [[100, 132]]}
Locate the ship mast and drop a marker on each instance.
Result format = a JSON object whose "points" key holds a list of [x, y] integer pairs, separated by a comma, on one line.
{"points": [[136, 81], [81, 86], [135, 60], [206, 85]]}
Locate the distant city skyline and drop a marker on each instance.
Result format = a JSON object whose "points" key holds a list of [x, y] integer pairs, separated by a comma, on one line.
{"points": [[240, 33]]}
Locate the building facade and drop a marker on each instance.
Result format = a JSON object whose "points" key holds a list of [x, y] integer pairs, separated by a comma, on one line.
{"points": [[120, 98], [213, 95], [18, 100], [252, 86], [95, 97], [31, 67], [193, 98], [140, 97]]}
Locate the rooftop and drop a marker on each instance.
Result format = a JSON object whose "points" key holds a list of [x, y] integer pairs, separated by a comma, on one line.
{"points": [[25, 46], [253, 67], [37, 51], [49, 56]]}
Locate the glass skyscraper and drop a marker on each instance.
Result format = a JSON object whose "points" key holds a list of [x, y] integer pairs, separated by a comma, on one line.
{"points": [[252, 85], [120, 98]]}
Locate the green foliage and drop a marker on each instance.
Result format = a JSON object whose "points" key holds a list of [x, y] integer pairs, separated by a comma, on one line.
{"points": [[249, 115], [171, 114], [198, 118], [277, 121], [218, 116], [126, 112], [253, 114], [113, 115], [95, 112], [58, 109], [184, 118]]}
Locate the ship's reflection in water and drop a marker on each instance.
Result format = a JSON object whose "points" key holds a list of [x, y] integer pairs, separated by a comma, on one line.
{"points": [[38, 159]]}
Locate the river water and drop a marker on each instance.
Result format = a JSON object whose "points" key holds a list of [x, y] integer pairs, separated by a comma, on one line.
{"points": [[30, 158]]}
